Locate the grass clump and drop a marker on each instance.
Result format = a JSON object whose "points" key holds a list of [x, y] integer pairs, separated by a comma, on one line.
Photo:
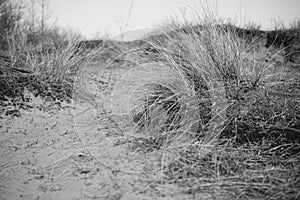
{"points": [[48, 73], [227, 123], [209, 74]]}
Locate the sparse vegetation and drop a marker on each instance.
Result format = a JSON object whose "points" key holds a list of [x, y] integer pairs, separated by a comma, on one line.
{"points": [[221, 116], [257, 153], [43, 62]]}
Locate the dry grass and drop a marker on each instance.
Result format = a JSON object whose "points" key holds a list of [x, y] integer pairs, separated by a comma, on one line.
{"points": [[48, 72], [208, 73], [227, 124], [250, 171], [222, 122]]}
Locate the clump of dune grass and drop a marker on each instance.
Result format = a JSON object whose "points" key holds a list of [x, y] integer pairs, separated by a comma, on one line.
{"points": [[49, 72], [223, 122], [208, 62], [58, 68]]}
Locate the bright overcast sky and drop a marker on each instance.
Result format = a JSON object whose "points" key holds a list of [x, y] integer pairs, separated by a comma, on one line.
{"points": [[98, 17]]}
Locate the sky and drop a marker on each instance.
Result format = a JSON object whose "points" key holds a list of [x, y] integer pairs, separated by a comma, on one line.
{"points": [[98, 18]]}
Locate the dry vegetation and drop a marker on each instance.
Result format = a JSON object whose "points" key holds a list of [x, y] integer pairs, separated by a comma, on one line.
{"points": [[221, 111], [256, 153]]}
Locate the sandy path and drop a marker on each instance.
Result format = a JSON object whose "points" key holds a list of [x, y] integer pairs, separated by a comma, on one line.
{"points": [[76, 153]]}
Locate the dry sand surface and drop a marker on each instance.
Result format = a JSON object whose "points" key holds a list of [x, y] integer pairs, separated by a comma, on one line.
{"points": [[75, 151]]}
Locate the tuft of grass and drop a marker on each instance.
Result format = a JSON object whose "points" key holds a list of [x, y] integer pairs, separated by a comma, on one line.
{"points": [[223, 121], [45, 73], [210, 73]]}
